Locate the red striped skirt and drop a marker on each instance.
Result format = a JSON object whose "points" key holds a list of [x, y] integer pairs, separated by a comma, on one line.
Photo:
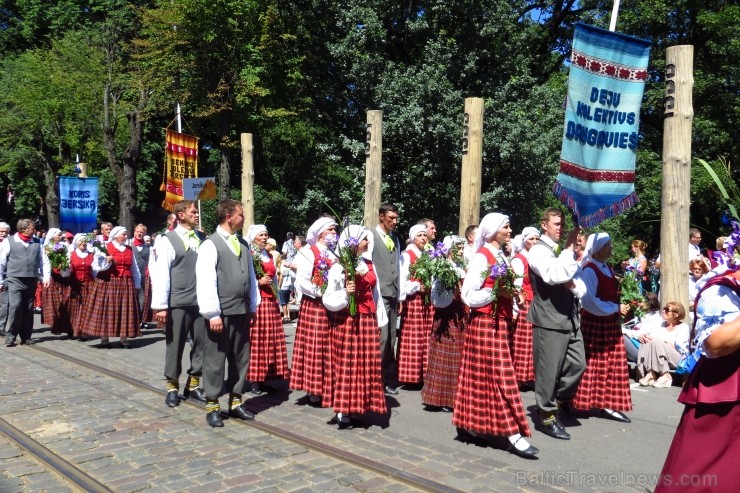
{"points": [[358, 382], [605, 383], [111, 309], [413, 341], [311, 369], [55, 304], [488, 400], [78, 293], [445, 353], [268, 358], [521, 346]]}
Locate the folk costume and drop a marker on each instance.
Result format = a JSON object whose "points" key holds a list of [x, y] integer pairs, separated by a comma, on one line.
{"points": [[488, 401], [416, 321], [113, 308], [142, 252], [55, 296], [311, 369], [269, 354], [358, 383], [81, 282], [605, 383], [521, 337]]}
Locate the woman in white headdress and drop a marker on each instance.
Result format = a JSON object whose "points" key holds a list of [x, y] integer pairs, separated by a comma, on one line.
{"points": [[358, 385], [488, 402], [113, 307], [605, 384], [55, 296], [81, 282], [268, 358], [418, 313], [521, 338], [311, 369]]}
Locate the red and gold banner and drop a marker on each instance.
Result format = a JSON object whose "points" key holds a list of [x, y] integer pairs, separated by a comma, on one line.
{"points": [[180, 161]]}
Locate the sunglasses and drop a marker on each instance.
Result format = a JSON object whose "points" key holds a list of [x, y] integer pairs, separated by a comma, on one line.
{"points": [[669, 310]]}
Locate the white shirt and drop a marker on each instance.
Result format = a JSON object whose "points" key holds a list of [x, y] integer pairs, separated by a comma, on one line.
{"points": [[304, 261], [406, 286], [100, 263], [335, 297], [159, 269], [589, 301], [717, 305], [207, 280], [473, 294], [555, 270], [44, 266]]}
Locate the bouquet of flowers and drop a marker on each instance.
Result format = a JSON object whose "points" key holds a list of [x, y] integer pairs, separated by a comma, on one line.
{"points": [[423, 271], [503, 279], [442, 270], [629, 291], [259, 270], [96, 245], [321, 274], [57, 255], [352, 264]]}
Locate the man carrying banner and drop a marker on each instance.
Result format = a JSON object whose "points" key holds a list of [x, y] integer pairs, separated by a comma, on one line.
{"points": [[559, 354], [174, 301]]}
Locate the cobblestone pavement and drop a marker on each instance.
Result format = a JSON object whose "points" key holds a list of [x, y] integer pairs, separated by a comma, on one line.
{"points": [[22, 472], [127, 439]]}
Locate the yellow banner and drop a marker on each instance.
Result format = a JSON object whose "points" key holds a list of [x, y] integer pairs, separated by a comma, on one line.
{"points": [[180, 162]]}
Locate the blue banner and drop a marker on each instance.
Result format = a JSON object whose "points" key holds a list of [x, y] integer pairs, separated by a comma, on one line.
{"points": [[78, 204]]}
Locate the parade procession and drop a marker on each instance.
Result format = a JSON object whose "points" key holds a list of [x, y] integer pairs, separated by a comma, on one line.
{"points": [[504, 293]]}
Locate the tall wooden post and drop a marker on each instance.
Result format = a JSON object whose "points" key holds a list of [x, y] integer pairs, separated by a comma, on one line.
{"points": [[247, 180], [674, 211], [472, 162], [373, 166]]}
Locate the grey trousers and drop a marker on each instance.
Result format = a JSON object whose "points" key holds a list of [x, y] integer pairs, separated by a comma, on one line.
{"points": [[559, 361], [182, 321], [21, 294], [388, 342], [3, 309], [228, 346]]}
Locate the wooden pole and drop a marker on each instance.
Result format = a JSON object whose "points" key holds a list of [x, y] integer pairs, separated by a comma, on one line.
{"points": [[373, 167], [472, 163], [674, 227], [247, 181]]}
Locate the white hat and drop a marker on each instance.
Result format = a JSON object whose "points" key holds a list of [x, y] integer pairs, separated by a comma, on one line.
{"points": [[595, 242], [51, 234], [489, 226], [415, 230], [318, 227], [254, 230], [115, 232]]}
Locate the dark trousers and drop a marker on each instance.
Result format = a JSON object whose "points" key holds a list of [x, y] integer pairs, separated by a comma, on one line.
{"points": [[559, 361], [182, 321], [21, 295], [231, 346], [3, 309], [388, 342]]}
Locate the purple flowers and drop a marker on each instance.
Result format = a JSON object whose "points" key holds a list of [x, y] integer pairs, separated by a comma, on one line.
{"points": [[351, 242], [331, 241], [733, 242], [440, 251], [60, 247], [498, 270]]}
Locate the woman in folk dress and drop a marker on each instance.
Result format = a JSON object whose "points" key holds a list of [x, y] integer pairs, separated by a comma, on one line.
{"points": [[81, 282], [521, 339], [55, 297]]}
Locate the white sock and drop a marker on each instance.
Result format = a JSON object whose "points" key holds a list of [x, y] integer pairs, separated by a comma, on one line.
{"points": [[519, 442]]}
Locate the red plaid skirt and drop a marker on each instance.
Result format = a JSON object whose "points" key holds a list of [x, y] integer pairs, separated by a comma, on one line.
{"points": [[146, 312], [268, 358], [78, 293], [521, 346], [605, 384], [488, 400], [111, 309], [358, 382], [55, 304], [445, 353], [311, 369], [413, 341]]}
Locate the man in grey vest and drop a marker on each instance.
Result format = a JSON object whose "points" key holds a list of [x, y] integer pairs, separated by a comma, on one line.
{"points": [[4, 234], [21, 260], [386, 260], [175, 303], [559, 355], [227, 298]]}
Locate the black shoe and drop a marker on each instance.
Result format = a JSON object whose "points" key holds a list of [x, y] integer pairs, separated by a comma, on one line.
{"points": [[529, 453], [10, 342], [214, 419], [391, 390], [172, 399], [615, 415], [256, 389], [555, 430], [104, 345], [345, 423], [3, 333], [28, 342], [240, 413], [446, 409], [197, 394], [125, 345]]}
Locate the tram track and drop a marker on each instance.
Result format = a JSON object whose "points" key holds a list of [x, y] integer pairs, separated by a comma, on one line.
{"points": [[393, 473]]}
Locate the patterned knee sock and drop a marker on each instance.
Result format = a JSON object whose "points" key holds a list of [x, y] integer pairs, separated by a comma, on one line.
{"points": [[193, 382], [235, 400], [173, 385], [212, 406]]}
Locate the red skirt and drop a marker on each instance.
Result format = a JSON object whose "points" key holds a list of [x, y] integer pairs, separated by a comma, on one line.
{"points": [[488, 400], [146, 311], [268, 358], [55, 304], [358, 382], [78, 293], [445, 353], [521, 346], [311, 369], [413, 341], [112, 309], [605, 383]]}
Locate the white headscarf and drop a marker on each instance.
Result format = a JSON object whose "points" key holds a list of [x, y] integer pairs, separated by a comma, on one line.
{"points": [[254, 230], [595, 242], [115, 232], [489, 226], [318, 227], [51, 234], [415, 230], [78, 237], [451, 240], [527, 233], [359, 232]]}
